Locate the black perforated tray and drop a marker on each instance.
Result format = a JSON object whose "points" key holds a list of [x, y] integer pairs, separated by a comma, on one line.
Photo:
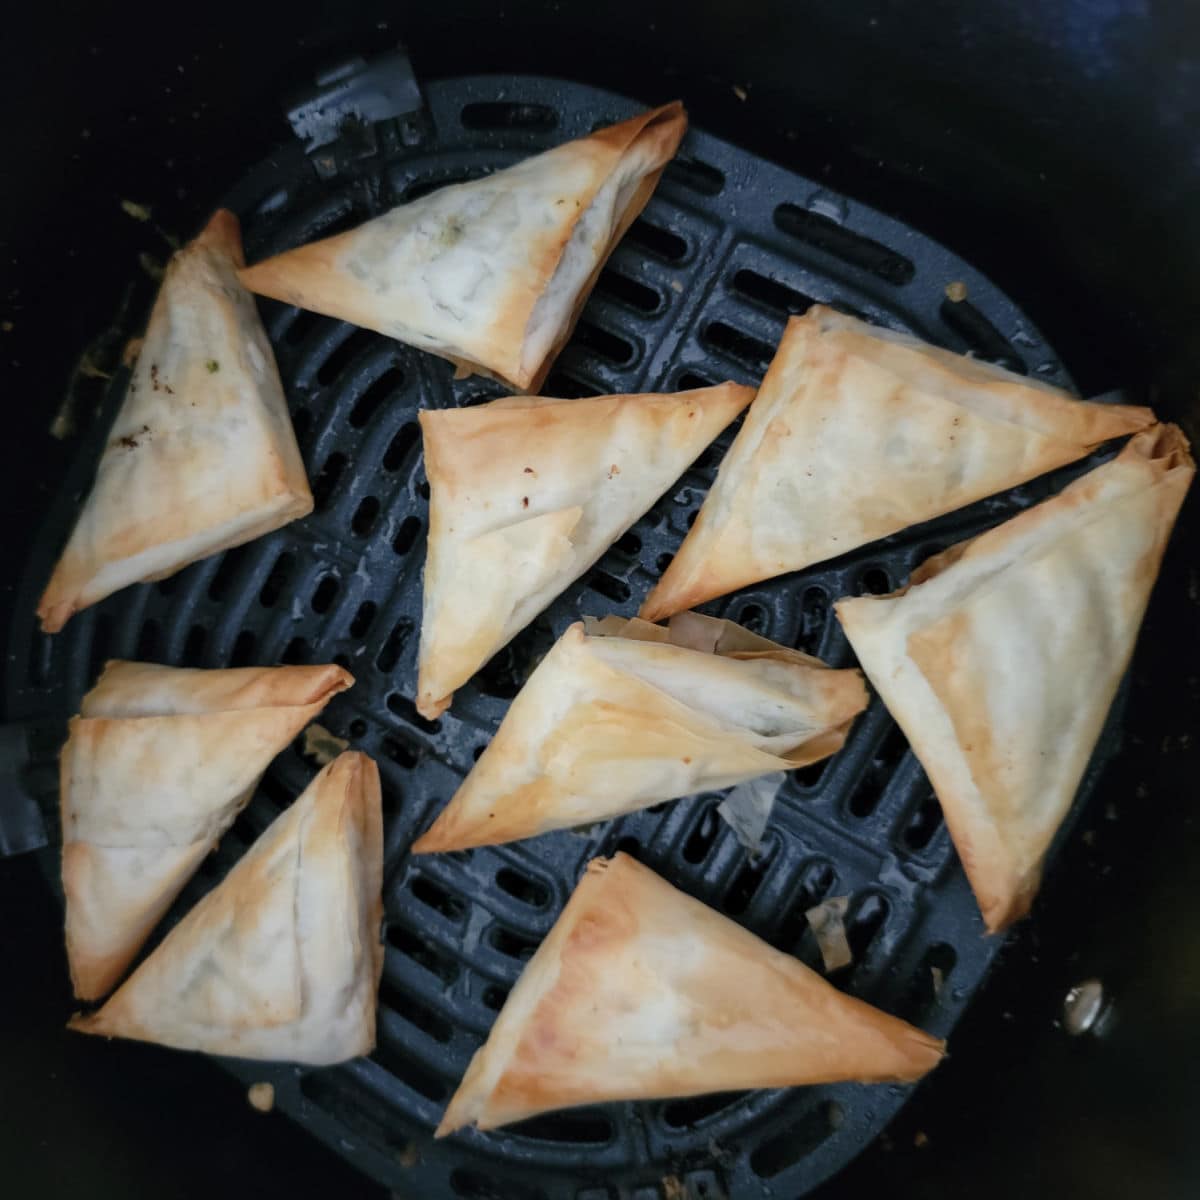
{"points": [[697, 292]]}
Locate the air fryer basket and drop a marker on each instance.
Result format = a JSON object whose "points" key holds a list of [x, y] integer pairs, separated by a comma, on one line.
{"points": [[697, 292], [1050, 143]]}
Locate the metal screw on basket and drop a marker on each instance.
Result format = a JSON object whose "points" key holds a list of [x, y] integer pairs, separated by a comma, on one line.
{"points": [[1086, 1009]]}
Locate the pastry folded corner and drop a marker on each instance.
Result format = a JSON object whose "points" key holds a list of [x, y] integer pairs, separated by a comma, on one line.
{"points": [[526, 494], [858, 432], [640, 992], [1001, 657], [157, 766], [492, 273], [202, 455], [282, 959], [631, 714]]}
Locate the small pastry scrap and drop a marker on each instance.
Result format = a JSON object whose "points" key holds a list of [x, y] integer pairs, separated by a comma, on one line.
{"points": [[202, 455], [1001, 657], [158, 765], [491, 274], [857, 433], [640, 992], [631, 714], [526, 494], [282, 959]]}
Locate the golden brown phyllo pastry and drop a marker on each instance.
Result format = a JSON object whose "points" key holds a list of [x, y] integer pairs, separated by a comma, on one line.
{"points": [[282, 959], [157, 766], [526, 494], [1001, 657], [491, 274], [857, 433], [640, 992], [633, 714], [202, 455]]}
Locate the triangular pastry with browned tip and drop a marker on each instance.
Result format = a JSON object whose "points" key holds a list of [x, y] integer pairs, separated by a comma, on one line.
{"points": [[1002, 656], [282, 959], [158, 765], [640, 992], [526, 494], [857, 433], [632, 714], [492, 273], [202, 455]]}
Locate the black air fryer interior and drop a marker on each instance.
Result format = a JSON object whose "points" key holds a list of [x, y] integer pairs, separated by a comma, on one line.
{"points": [[698, 291]]}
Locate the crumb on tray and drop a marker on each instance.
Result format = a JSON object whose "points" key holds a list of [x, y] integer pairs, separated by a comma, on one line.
{"points": [[261, 1097]]}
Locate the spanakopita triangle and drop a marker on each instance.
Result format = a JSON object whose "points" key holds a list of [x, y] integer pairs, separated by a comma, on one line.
{"points": [[631, 714], [491, 273], [526, 494], [1002, 656], [640, 992], [157, 766], [282, 959], [202, 455], [857, 433]]}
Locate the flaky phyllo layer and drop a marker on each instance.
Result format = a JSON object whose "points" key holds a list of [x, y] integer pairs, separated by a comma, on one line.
{"points": [[640, 992], [526, 494], [857, 433], [1002, 656], [158, 765], [632, 714], [492, 273], [202, 455], [282, 959]]}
